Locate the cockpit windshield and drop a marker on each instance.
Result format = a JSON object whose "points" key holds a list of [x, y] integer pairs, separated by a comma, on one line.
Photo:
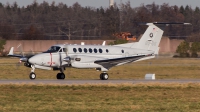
{"points": [[53, 49]]}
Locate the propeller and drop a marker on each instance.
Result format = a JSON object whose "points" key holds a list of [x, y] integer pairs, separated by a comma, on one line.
{"points": [[18, 64], [24, 58], [67, 58], [20, 49]]}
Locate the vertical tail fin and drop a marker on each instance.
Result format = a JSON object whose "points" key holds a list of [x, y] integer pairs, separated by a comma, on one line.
{"points": [[152, 36]]}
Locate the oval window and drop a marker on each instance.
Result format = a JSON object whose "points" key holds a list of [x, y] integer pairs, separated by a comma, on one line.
{"points": [[107, 50], [78, 59], [80, 50], [74, 49], [100, 50], [122, 51], [95, 50], [90, 50], [85, 50]]}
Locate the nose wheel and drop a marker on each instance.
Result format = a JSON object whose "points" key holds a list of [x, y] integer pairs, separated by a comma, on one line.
{"points": [[32, 76], [104, 76], [60, 76]]}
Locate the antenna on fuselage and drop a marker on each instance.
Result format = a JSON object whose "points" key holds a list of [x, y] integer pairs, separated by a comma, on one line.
{"points": [[104, 43], [82, 43]]}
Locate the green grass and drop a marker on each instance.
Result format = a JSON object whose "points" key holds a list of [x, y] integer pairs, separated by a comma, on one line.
{"points": [[151, 97], [164, 68], [104, 98]]}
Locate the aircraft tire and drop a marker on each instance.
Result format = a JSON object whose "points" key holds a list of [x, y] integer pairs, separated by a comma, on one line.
{"points": [[62, 76], [101, 76], [105, 76], [58, 76], [32, 76]]}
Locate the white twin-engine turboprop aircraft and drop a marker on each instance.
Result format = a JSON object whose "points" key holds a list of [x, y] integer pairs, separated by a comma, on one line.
{"points": [[100, 57]]}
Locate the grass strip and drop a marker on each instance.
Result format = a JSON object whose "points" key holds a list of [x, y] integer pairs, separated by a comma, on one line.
{"points": [[106, 97]]}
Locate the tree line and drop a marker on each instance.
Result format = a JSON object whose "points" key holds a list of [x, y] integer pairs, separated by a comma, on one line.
{"points": [[52, 21]]}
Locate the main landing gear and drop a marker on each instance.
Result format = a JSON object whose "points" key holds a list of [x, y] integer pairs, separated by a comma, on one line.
{"points": [[61, 75], [104, 76]]}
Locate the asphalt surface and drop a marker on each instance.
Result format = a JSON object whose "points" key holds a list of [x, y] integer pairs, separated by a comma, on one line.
{"points": [[71, 82]]}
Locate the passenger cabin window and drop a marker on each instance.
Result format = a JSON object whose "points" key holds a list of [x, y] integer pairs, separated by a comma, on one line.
{"points": [[90, 50], [53, 49], [85, 50], [95, 50], [80, 50], [107, 50], [122, 51], [100, 50], [75, 50]]}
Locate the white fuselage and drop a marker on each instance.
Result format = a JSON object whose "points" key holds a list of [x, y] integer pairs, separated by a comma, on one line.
{"points": [[83, 56]]}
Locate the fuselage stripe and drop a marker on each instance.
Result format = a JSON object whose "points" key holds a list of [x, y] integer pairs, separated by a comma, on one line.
{"points": [[51, 59]]}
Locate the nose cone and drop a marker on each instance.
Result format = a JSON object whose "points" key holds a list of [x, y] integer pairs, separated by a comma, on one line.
{"points": [[34, 60]]}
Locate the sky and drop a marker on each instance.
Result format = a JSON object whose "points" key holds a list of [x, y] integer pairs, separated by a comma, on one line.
{"points": [[105, 3]]}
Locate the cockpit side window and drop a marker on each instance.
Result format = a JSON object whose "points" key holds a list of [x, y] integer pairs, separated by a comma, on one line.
{"points": [[53, 49]]}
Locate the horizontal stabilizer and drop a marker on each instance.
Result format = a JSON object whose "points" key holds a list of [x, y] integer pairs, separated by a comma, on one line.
{"points": [[165, 23]]}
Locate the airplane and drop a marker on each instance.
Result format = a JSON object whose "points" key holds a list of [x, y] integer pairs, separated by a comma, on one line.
{"points": [[101, 57]]}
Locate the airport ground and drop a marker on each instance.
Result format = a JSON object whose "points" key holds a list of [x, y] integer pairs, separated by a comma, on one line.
{"points": [[104, 97], [164, 68]]}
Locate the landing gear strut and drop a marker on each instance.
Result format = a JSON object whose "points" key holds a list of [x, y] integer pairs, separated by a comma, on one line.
{"points": [[32, 75], [104, 76], [61, 75]]}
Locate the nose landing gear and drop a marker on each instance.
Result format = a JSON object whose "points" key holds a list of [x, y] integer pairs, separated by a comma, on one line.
{"points": [[32, 75]]}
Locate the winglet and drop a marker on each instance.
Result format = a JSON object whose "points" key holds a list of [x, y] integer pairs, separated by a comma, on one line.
{"points": [[104, 43], [11, 51]]}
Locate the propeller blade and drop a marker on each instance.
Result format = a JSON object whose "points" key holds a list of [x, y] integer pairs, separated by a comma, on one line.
{"points": [[21, 49], [18, 64]]}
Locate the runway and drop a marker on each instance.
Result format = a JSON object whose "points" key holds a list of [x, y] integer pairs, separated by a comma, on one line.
{"points": [[80, 82]]}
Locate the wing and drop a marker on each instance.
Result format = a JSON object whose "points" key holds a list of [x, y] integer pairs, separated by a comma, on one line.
{"points": [[108, 63], [23, 58]]}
